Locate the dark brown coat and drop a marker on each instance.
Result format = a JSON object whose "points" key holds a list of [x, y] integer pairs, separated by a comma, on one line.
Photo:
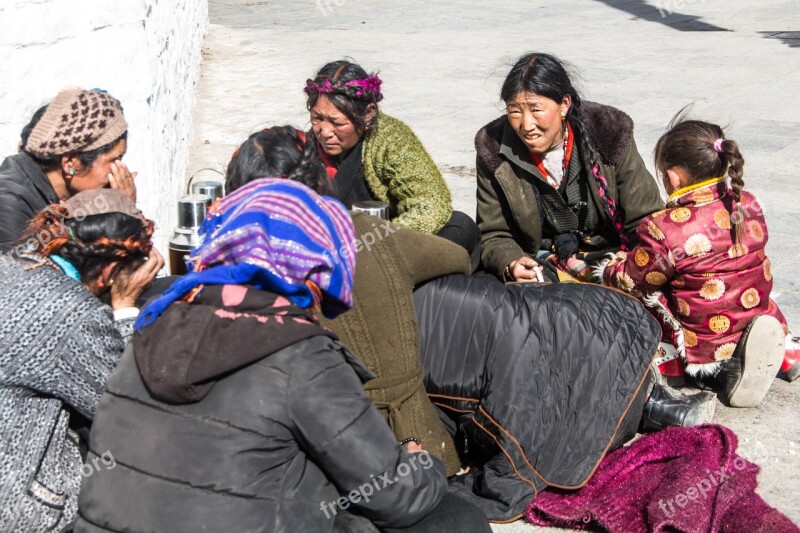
{"points": [[381, 328]]}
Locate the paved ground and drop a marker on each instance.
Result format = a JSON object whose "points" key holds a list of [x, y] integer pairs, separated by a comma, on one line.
{"points": [[443, 62]]}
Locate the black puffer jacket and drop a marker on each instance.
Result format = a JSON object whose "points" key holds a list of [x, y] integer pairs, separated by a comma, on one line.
{"points": [[265, 448], [543, 380], [24, 191]]}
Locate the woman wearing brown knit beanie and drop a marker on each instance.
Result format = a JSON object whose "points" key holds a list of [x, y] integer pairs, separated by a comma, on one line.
{"points": [[73, 144]]}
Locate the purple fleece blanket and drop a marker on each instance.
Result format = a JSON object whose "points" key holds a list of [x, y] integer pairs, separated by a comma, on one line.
{"points": [[678, 479]]}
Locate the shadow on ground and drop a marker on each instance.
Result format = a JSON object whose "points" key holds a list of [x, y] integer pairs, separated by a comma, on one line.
{"points": [[662, 14], [789, 38]]}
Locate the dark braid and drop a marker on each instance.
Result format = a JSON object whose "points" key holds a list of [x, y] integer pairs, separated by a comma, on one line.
{"points": [[690, 145], [282, 151], [615, 211], [545, 75], [575, 117], [730, 150], [90, 243]]}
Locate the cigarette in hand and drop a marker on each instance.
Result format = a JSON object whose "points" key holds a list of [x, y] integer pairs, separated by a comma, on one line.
{"points": [[537, 269]]}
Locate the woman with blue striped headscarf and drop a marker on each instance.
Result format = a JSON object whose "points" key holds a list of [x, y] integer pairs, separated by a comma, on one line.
{"points": [[276, 235], [234, 410]]}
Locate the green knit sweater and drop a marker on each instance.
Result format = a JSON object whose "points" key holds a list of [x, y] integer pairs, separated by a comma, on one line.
{"points": [[399, 172]]}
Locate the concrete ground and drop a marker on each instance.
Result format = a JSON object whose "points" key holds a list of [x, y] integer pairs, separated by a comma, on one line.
{"points": [[442, 63]]}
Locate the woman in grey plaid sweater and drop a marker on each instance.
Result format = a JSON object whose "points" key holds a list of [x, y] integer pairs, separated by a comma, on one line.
{"points": [[59, 343]]}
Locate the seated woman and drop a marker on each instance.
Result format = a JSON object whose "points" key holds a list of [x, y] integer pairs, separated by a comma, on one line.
{"points": [[234, 410], [59, 343], [381, 328], [372, 156], [73, 144], [557, 177]]}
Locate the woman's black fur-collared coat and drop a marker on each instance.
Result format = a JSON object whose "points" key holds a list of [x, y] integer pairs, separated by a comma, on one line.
{"points": [[508, 211]]}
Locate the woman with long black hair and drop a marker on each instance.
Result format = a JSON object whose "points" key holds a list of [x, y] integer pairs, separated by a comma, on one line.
{"points": [[558, 177]]}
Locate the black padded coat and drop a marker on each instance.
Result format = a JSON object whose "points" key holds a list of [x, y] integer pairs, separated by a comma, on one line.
{"points": [[541, 380], [267, 449]]}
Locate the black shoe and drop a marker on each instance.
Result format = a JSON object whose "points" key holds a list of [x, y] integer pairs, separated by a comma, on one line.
{"points": [[670, 407], [748, 374]]}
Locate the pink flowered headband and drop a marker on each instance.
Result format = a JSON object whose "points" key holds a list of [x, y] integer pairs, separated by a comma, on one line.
{"points": [[365, 88]]}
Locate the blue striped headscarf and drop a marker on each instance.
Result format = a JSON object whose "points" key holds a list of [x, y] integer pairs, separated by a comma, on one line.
{"points": [[276, 235]]}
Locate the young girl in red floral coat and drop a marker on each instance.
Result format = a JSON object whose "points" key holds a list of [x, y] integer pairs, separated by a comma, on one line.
{"points": [[700, 267]]}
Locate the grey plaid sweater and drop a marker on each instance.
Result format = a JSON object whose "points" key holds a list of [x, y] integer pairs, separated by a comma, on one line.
{"points": [[58, 345]]}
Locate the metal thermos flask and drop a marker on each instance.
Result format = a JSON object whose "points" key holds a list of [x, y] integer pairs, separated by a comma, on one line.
{"points": [[209, 188], [372, 207], [192, 210]]}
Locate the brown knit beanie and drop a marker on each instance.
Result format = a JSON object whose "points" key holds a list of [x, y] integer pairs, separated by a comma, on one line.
{"points": [[99, 202], [76, 121]]}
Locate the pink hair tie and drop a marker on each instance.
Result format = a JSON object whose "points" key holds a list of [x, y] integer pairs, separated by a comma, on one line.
{"points": [[718, 145], [369, 86]]}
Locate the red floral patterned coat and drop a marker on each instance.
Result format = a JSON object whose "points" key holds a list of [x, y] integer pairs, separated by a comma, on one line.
{"points": [[687, 259]]}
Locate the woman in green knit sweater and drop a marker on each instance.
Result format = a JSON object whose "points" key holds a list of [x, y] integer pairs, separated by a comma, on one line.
{"points": [[372, 156]]}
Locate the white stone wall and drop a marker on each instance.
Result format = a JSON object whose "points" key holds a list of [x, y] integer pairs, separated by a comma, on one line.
{"points": [[146, 53]]}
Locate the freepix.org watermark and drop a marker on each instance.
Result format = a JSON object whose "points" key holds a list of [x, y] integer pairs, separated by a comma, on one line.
{"points": [[44, 236], [105, 459], [745, 212], [325, 8], [702, 487], [376, 484], [666, 7], [364, 242]]}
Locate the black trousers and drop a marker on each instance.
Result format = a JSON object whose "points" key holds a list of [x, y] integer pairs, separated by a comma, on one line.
{"points": [[452, 514], [462, 230]]}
